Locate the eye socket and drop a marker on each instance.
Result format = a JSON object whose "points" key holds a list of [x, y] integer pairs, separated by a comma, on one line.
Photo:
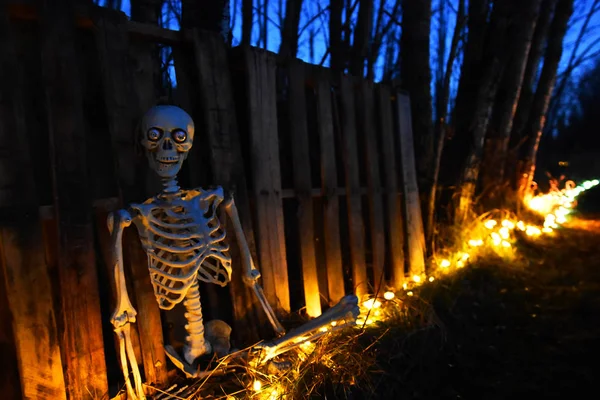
{"points": [[154, 134], [179, 136]]}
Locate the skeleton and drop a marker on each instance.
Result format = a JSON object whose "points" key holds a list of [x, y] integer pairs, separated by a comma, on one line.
{"points": [[185, 242]]}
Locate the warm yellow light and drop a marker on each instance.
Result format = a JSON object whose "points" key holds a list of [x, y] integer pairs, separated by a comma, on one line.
{"points": [[465, 256], [504, 233], [417, 278], [360, 321], [431, 279], [505, 243], [521, 225], [496, 239], [377, 313], [475, 242], [445, 263], [323, 329], [274, 395], [372, 303], [389, 295], [409, 293], [405, 286], [333, 323], [369, 321], [561, 220], [257, 385], [460, 264], [490, 223], [508, 224], [547, 229]]}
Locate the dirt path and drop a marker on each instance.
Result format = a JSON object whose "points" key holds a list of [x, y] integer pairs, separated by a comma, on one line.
{"points": [[508, 331]]}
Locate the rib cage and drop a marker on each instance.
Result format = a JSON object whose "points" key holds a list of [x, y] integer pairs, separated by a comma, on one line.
{"points": [[184, 241]]}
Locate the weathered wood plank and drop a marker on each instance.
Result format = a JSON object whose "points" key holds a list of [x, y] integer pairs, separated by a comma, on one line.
{"points": [[260, 70], [394, 220], [123, 109], [412, 207], [221, 130], [355, 220], [29, 314], [80, 324], [368, 134], [331, 211], [9, 379], [298, 130]]}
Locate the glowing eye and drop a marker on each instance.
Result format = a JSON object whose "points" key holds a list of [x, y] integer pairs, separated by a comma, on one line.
{"points": [[179, 136], [154, 134]]}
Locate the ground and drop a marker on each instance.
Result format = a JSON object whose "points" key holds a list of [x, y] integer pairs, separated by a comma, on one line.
{"points": [[499, 330]]}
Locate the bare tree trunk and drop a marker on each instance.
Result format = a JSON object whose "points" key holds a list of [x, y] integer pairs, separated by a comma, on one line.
{"points": [[555, 102], [541, 100], [247, 14], [362, 36], [335, 35], [519, 42], [493, 63], [211, 16], [459, 141], [289, 33], [442, 97], [264, 31], [526, 96], [415, 74]]}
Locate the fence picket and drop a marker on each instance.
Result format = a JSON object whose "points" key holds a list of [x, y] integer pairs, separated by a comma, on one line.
{"points": [[394, 220], [368, 134], [80, 327], [355, 219], [412, 207], [298, 129]]}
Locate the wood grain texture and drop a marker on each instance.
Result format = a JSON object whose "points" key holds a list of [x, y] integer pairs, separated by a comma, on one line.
{"points": [[367, 128], [329, 179], [261, 91], [80, 325], [298, 130], [350, 156], [394, 220], [412, 207]]}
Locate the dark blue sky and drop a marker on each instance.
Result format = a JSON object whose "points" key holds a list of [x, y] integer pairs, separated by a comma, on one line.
{"points": [[589, 45]]}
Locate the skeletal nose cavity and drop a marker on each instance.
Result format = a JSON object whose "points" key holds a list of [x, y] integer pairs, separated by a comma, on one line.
{"points": [[167, 145]]}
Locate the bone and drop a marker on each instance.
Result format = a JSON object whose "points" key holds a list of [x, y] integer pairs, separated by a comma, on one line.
{"points": [[217, 332]]}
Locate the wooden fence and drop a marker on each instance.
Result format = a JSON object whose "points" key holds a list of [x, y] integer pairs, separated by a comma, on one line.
{"points": [[322, 168]]}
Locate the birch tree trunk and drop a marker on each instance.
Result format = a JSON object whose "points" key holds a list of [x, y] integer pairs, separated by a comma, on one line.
{"points": [[289, 32], [415, 75], [526, 96], [543, 93], [498, 135]]}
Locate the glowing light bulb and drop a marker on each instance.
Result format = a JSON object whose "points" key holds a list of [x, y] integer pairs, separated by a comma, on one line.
{"points": [[508, 224], [547, 229], [377, 313], [323, 329], [405, 286], [389, 295], [465, 256], [496, 239], [417, 278], [369, 321], [505, 243], [372, 303], [504, 233], [333, 323], [409, 293], [521, 225], [490, 223], [561, 219], [431, 279], [257, 385], [532, 231], [460, 264], [444, 263], [360, 321]]}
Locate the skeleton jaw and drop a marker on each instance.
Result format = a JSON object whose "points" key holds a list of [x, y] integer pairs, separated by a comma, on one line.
{"points": [[166, 166]]}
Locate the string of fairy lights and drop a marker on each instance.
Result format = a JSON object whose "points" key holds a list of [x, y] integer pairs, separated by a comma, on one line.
{"points": [[485, 234]]}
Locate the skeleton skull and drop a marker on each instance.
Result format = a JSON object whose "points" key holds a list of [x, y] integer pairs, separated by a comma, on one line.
{"points": [[167, 135]]}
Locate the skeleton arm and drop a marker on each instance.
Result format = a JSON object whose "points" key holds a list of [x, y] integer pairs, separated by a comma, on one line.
{"points": [[124, 313], [251, 274]]}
